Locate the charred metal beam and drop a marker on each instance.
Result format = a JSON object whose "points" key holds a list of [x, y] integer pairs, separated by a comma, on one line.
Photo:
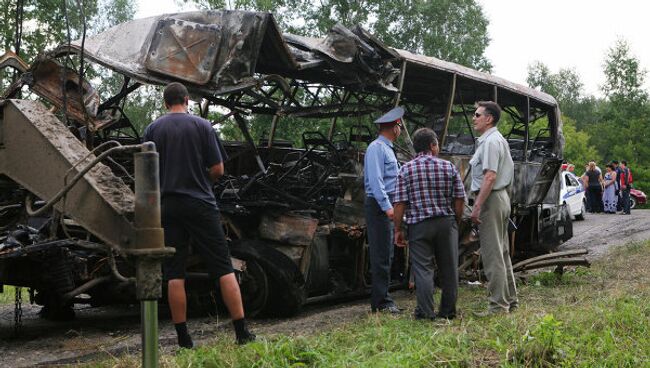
{"points": [[123, 93], [261, 97], [330, 134], [568, 253], [576, 261], [450, 105], [288, 196], [274, 126], [526, 129], [407, 134], [247, 135]]}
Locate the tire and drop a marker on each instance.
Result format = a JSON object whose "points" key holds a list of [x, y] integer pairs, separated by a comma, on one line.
{"points": [[583, 211], [632, 202], [284, 282]]}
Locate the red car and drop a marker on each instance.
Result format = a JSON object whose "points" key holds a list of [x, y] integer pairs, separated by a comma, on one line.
{"points": [[637, 197]]}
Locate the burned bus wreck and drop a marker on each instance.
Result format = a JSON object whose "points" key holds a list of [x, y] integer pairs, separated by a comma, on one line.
{"points": [[292, 208]]}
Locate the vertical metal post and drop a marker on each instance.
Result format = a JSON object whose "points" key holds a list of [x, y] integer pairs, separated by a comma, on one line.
{"points": [[526, 128], [274, 125], [149, 323], [398, 99], [149, 246], [330, 134], [450, 105]]}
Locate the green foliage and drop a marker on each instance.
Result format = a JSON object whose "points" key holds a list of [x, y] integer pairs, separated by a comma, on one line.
{"points": [[623, 75], [551, 279], [613, 128], [43, 23], [44, 26], [8, 296], [542, 344], [564, 85], [577, 148]]}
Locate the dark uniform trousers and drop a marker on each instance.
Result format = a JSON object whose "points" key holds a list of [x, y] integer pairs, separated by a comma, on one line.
{"points": [[380, 240]]}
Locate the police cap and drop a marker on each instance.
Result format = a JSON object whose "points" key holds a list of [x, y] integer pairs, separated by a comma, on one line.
{"points": [[391, 116]]}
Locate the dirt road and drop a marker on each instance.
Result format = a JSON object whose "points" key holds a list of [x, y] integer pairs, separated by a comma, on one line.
{"points": [[100, 332], [600, 232]]}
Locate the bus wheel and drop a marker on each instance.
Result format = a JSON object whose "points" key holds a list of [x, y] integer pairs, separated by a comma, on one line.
{"points": [[254, 288]]}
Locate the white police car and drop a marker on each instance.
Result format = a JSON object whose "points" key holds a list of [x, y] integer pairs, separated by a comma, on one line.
{"points": [[572, 192]]}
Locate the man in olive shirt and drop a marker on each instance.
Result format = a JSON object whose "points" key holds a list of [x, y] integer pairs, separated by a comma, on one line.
{"points": [[492, 173]]}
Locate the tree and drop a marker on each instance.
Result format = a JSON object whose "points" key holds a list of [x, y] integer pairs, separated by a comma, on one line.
{"points": [[621, 131], [455, 31], [565, 85], [623, 76], [42, 24], [577, 149]]}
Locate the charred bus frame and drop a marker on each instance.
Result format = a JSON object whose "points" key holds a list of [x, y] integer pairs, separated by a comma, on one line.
{"points": [[293, 215]]}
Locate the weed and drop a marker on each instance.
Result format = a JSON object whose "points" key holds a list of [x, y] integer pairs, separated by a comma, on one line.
{"points": [[541, 346], [555, 279]]}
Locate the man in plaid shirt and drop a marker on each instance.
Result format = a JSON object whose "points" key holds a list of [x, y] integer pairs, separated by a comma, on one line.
{"points": [[432, 194]]}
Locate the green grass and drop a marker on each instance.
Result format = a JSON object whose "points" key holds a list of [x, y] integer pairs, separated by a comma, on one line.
{"points": [[596, 317], [9, 295]]}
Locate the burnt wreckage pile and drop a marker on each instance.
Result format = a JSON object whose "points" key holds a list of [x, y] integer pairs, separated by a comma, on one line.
{"points": [[293, 210]]}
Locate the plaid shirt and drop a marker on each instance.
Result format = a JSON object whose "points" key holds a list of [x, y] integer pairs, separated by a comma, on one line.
{"points": [[428, 185]]}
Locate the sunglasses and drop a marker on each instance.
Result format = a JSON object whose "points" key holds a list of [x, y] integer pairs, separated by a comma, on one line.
{"points": [[477, 115]]}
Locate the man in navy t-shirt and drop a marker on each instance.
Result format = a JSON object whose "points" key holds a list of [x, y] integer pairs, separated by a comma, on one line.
{"points": [[190, 161]]}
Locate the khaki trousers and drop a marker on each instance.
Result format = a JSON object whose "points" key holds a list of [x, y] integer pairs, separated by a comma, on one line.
{"points": [[493, 235]]}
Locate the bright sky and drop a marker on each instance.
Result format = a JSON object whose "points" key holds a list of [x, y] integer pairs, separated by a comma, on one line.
{"points": [[559, 33]]}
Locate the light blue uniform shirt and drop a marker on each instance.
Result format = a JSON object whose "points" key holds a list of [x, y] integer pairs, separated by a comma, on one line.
{"points": [[380, 171]]}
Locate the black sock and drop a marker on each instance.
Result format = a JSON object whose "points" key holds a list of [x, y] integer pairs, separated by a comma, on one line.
{"points": [[241, 331], [184, 338]]}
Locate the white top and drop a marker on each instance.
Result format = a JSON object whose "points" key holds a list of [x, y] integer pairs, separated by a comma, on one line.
{"points": [[492, 153]]}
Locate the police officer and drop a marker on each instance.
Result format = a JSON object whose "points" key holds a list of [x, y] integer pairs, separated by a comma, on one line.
{"points": [[380, 175]]}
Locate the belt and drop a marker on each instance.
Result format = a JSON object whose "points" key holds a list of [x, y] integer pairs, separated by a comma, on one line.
{"points": [[391, 196], [493, 190]]}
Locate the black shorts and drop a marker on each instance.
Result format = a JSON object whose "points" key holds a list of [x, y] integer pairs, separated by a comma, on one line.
{"points": [[186, 221]]}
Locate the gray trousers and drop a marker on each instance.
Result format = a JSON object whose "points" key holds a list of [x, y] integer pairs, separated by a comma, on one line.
{"points": [[493, 235], [435, 238], [380, 242]]}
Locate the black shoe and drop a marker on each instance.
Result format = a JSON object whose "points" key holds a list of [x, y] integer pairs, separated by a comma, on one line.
{"points": [[246, 338], [421, 316], [185, 341], [184, 338], [392, 309]]}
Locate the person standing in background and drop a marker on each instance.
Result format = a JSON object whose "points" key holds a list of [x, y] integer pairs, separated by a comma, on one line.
{"points": [[626, 185], [610, 199], [617, 186], [595, 188]]}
